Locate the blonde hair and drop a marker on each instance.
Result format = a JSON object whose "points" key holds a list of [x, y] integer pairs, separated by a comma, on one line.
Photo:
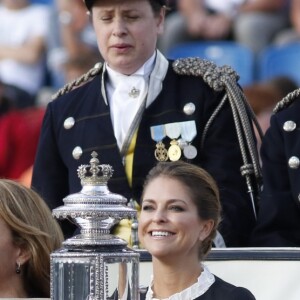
{"points": [[34, 228]]}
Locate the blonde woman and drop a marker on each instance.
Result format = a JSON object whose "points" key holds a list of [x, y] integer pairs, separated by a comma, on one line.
{"points": [[29, 234]]}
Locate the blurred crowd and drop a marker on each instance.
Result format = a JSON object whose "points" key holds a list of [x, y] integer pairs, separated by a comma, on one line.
{"points": [[35, 61]]}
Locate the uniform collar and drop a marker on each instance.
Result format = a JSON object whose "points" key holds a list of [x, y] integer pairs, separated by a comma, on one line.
{"points": [[205, 280], [156, 66], [114, 77]]}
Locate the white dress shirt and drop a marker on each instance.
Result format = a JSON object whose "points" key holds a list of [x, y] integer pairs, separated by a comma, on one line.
{"points": [[123, 102]]}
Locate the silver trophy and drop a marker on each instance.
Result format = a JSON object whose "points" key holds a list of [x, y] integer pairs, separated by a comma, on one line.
{"points": [[94, 265]]}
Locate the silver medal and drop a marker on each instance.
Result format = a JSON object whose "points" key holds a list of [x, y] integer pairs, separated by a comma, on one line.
{"points": [[188, 133], [190, 152]]}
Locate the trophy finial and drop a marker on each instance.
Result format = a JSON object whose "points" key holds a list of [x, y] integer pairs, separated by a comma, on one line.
{"points": [[89, 174]]}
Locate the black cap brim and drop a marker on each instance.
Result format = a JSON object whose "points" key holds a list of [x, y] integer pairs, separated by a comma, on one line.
{"points": [[89, 3]]}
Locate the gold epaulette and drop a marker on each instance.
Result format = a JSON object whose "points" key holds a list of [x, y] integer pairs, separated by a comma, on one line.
{"points": [[79, 81], [287, 100], [213, 75]]}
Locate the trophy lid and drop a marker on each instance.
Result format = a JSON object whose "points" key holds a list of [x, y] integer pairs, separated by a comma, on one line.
{"points": [[95, 210]]}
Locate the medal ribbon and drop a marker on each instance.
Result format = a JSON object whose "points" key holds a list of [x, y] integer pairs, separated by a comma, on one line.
{"points": [[188, 130], [157, 133], [173, 130]]}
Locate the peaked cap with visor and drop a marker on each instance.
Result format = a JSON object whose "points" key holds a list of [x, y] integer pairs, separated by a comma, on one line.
{"points": [[89, 3]]}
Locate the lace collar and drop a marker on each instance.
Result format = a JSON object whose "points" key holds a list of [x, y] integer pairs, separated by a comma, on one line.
{"points": [[205, 280]]}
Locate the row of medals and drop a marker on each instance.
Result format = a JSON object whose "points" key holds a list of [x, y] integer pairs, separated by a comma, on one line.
{"points": [[174, 153], [181, 135]]}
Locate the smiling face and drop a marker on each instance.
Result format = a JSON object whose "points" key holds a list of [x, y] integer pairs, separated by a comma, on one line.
{"points": [[169, 225], [127, 32]]}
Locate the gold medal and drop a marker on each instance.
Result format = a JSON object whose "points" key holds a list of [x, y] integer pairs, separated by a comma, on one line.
{"points": [[161, 153], [174, 151], [157, 134], [173, 132]]}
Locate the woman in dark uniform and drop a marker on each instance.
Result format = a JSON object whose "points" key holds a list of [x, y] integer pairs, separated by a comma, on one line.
{"points": [[138, 108]]}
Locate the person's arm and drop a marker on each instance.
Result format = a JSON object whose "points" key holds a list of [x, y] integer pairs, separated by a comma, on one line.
{"points": [[32, 48], [187, 7], [195, 15], [200, 23], [295, 14], [50, 176], [29, 53], [73, 19], [262, 5]]}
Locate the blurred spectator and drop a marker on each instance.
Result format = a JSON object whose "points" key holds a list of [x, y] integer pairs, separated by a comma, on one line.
{"points": [[266, 94], [20, 128], [197, 20], [19, 134], [13, 97], [291, 34], [74, 37], [46, 2], [258, 22], [23, 33], [263, 96], [252, 23], [75, 67], [6, 100]]}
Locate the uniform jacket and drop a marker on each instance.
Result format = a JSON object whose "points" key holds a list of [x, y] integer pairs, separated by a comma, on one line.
{"points": [[279, 213], [55, 175], [221, 289]]}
